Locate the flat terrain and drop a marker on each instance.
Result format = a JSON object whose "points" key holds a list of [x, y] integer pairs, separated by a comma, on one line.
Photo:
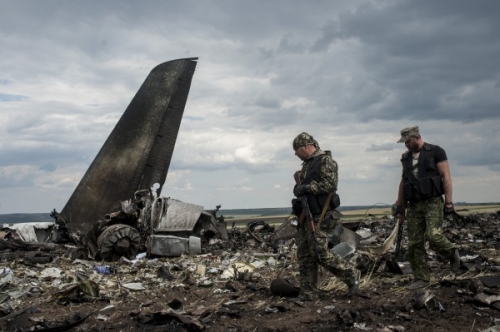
{"points": [[228, 287], [376, 212]]}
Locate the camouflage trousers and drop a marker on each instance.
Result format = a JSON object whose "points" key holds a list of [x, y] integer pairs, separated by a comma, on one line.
{"points": [[312, 253], [425, 220]]}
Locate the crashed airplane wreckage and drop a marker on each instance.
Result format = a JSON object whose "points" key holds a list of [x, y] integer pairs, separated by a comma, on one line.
{"points": [[161, 226], [132, 162], [135, 159]]}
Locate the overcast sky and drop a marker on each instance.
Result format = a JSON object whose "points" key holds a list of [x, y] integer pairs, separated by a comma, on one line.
{"points": [[351, 73]]}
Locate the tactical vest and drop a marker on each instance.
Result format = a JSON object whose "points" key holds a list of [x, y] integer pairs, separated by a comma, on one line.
{"points": [[316, 202], [429, 183]]}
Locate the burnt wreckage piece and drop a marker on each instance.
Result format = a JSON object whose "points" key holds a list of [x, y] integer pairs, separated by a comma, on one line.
{"points": [[138, 151]]}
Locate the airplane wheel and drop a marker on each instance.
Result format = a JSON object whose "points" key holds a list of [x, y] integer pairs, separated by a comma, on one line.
{"points": [[118, 240]]}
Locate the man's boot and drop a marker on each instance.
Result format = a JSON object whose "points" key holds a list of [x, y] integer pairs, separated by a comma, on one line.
{"points": [[455, 261], [309, 296], [417, 284], [308, 283]]}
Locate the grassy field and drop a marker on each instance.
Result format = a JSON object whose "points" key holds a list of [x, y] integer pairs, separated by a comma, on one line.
{"points": [[275, 215], [376, 212], [466, 209]]}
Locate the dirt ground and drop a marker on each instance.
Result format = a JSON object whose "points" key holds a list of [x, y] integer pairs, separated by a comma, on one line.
{"points": [[228, 289]]}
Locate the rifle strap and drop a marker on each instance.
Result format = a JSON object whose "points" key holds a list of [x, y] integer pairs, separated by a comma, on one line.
{"points": [[399, 238], [302, 217], [325, 208]]}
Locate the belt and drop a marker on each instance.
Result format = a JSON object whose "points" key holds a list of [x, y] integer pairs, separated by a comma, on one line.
{"points": [[422, 199]]}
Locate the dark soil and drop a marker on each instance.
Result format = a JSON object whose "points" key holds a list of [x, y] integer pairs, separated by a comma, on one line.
{"points": [[177, 298]]}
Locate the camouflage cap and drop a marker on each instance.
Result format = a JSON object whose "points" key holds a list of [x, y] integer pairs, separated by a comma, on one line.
{"points": [[408, 132], [303, 139]]}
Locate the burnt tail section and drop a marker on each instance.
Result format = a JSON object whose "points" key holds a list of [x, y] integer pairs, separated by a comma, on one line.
{"points": [[138, 151]]}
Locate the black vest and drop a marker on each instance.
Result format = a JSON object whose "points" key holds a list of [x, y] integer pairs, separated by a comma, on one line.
{"points": [[316, 202], [429, 183]]}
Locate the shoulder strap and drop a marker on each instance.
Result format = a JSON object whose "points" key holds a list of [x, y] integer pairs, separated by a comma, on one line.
{"points": [[325, 208]]}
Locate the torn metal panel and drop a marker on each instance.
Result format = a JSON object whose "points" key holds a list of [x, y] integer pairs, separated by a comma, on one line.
{"points": [[287, 230], [31, 231], [210, 225], [138, 151], [344, 249], [172, 215], [350, 237], [163, 224], [169, 245]]}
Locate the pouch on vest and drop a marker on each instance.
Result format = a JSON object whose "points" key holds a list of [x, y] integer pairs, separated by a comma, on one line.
{"points": [[296, 207], [425, 187], [407, 191], [335, 202], [437, 186], [316, 202]]}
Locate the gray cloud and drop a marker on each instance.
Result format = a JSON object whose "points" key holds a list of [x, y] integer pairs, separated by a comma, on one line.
{"points": [[407, 43], [381, 147], [352, 73], [49, 167]]}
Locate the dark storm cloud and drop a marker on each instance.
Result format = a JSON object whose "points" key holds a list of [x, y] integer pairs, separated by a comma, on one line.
{"points": [[46, 153], [353, 73], [250, 20], [424, 59], [264, 110], [49, 167], [288, 45], [480, 150], [262, 117], [266, 101], [329, 32]]}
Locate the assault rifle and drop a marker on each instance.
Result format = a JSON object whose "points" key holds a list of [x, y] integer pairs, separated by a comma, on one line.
{"points": [[393, 265], [401, 219], [306, 212]]}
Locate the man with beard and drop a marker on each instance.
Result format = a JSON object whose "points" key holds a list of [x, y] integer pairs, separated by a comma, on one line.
{"points": [[426, 178], [317, 181]]}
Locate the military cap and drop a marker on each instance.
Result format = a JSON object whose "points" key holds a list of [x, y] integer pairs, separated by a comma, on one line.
{"points": [[304, 139], [408, 132]]}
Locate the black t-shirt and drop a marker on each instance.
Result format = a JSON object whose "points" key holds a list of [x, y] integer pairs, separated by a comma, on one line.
{"points": [[439, 154]]}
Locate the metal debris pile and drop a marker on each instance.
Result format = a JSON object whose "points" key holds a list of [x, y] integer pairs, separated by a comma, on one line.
{"points": [[67, 282], [252, 268]]}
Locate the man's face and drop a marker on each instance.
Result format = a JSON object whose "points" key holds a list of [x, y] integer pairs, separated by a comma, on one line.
{"points": [[302, 152], [412, 144]]}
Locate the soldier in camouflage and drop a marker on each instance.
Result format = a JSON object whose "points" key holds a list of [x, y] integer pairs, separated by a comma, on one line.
{"points": [[426, 178], [317, 178]]}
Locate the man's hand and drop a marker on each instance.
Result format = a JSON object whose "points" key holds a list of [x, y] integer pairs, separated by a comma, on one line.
{"points": [[296, 177], [299, 190], [400, 210], [448, 208]]}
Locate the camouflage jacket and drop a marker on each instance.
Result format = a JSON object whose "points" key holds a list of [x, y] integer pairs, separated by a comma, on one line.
{"points": [[320, 173]]}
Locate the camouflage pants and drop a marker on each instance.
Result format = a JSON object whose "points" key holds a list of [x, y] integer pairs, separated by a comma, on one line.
{"points": [[311, 253], [425, 220]]}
